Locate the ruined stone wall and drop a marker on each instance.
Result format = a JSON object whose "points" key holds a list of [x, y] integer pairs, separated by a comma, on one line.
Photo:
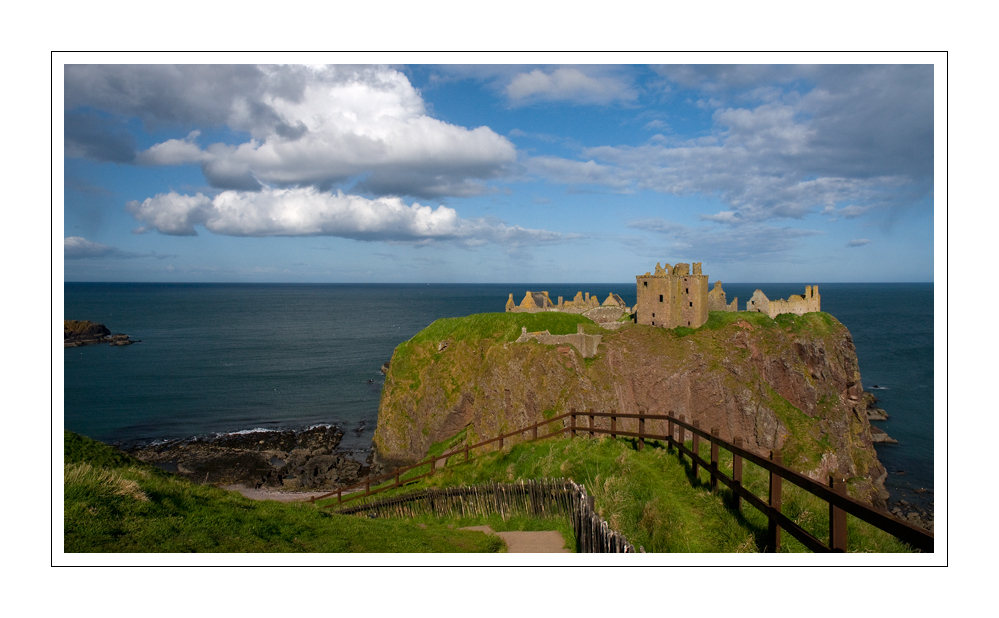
{"points": [[718, 302], [586, 344], [535, 302], [797, 304], [672, 297]]}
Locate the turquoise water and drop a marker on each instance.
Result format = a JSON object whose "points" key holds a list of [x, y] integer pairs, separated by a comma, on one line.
{"points": [[219, 358]]}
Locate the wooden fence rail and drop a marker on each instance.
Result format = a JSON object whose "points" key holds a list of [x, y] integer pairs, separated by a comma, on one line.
{"points": [[834, 493], [558, 498]]}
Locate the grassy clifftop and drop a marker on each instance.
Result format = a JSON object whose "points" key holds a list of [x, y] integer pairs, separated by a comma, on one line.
{"points": [[792, 383], [116, 503]]}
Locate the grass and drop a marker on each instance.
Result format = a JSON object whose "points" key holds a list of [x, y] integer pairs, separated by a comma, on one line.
{"points": [[480, 330], [502, 326], [115, 503], [653, 498], [721, 319]]}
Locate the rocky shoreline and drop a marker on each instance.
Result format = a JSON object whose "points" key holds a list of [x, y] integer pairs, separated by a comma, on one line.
{"points": [[912, 513], [289, 460], [83, 332]]}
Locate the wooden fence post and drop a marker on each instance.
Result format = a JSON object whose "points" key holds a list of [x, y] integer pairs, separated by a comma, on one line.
{"points": [[466, 453], [591, 422], [641, 431], [714, 459], [613, 425], [501, 442], [572, 424], [737, 471], [773, 530], [837, 516], [367, 486], [396, 479], [339, 496], [695, 445], [669, 427], [679, 431]]}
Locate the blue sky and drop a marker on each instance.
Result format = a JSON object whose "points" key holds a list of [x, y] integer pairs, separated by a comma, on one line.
{"points": [[497, 173]]}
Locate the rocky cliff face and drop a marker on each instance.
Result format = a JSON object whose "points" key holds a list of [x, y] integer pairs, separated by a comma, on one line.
{"points": [[792, 383]]}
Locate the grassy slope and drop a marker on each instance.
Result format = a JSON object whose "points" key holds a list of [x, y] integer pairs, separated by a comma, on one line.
{"points": [[653, 498], [115, 503], [497, 327]]}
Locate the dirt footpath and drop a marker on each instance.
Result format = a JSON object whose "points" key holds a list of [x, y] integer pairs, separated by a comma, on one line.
{"points": [[270, 494], [546, 542]]}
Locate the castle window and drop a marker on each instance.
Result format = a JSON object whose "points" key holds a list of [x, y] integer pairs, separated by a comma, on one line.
{"points": [[660, 298], [691, 303], [645, 284], [686, 290], [653, 315]]}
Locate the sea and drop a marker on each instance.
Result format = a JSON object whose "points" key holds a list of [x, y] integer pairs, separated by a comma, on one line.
{"points": [[231, 357]]}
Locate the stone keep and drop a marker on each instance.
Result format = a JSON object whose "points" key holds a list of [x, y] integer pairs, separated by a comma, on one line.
{"points": [[672, 297]]}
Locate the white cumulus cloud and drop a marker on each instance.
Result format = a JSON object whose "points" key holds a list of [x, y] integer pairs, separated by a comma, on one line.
{"points": [[309, 125], [306, 211]]}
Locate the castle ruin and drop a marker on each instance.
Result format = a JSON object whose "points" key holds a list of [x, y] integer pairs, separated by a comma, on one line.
{"points": [[586, 344], [672, 297], [797, 304], [717, 302], [534, 302]]}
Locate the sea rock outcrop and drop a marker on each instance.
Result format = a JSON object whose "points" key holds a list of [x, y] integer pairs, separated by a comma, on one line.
{"points": [[82, 332], [791, 383]]}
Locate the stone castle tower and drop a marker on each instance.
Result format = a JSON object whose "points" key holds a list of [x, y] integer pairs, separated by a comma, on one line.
{"points": [[672, 297]]}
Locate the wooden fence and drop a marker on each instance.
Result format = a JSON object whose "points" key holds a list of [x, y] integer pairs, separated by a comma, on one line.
{"points": [[834, 493], [559, 498]]}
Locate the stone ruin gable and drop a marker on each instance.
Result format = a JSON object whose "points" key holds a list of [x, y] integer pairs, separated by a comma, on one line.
{"points": [[717, 301], [586, 344], [672, 297], [613, 300], [798, 304], [533, 302]]}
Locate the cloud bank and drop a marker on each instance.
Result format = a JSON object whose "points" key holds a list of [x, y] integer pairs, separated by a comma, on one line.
{"points": [[784, 142], [746, 243], [318, 126], [79, 248], [576, 85], [307, 211]]}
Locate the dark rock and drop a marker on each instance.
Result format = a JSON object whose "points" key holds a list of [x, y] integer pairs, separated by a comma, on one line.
{"points": [[308, 458], [81, 332], [878, 436]]}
